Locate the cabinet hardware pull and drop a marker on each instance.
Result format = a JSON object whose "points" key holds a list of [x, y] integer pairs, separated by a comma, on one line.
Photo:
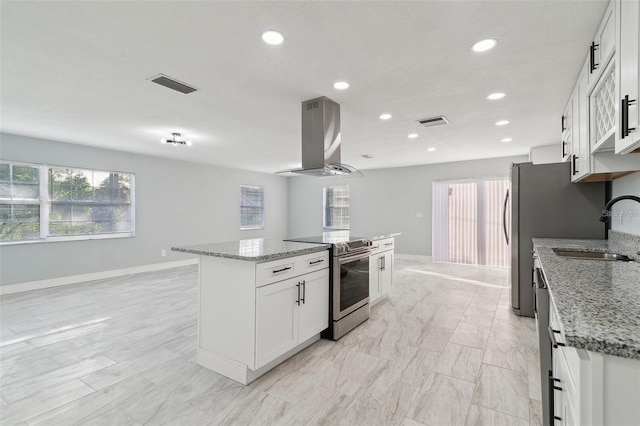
{"points": [[557, 418], [573, 161], [592, 57], [563, 129], [275, 271], [564, 144], [624, 117], [316, 261], [388, 244], [298, 299], [553, 337], [304, 290], [557, 388]]}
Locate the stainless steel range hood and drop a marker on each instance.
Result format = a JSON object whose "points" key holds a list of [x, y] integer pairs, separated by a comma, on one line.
{"points": [[321, 140]]}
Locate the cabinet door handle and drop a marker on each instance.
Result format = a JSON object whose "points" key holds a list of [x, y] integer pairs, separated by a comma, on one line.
{"points": [[304, 290], [557, 418], [275, 271], [564, 144], [574, 164], [388, 244], [592, 57], [624, 117], [316, 261], [298, 299], [563, 129], [552, 336]]}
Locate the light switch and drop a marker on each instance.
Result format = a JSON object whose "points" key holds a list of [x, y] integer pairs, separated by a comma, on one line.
{"points": [[418, 214]]}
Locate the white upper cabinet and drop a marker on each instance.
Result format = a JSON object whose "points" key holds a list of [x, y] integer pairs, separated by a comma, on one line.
{"points": [[628, 96], [603, 45]]}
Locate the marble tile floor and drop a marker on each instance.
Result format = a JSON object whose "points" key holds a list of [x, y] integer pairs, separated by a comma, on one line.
{"points": [[443, 349]]}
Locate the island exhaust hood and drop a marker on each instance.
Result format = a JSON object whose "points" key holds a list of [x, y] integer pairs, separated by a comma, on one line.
{"points": [[321, 140]]}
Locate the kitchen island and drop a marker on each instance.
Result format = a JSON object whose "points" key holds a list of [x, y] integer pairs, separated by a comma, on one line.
{"points": [[594, 329], [259, 302]]}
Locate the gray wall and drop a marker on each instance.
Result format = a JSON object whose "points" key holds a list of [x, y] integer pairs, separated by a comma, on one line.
{"points": [[628, 185], [177, 203], [386, 200]]}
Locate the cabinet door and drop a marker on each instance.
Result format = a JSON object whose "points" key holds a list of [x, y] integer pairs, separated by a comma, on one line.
{"points": [[313, 312], [604, 44], [567, 122], [386, 273], [629, 77], [375, 262], [276, 320], [581, 165]]}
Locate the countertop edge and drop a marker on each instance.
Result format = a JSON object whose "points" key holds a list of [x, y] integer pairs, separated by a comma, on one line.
{"points": [[258, 259]]}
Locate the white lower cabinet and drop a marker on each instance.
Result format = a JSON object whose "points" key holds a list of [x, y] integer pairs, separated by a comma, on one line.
{"points": [[290, 312], [381, 270], [592, 388], [252, 316]]}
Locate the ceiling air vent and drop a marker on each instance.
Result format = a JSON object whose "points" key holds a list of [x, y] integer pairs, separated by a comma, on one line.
{"points": [[173, 84], [433, 121]]}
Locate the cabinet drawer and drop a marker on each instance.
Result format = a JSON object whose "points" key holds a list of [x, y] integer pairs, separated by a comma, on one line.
{"points": [[386, 244], [282, 269]]}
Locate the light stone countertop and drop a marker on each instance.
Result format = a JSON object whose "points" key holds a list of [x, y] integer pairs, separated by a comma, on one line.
{"points": [[598, 302], [254, 250]]}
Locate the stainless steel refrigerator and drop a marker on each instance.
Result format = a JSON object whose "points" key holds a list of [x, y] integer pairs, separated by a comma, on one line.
{"points": [[545, 204]]}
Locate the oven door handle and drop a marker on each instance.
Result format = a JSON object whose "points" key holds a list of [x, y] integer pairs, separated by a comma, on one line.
{"points": [[358, 256]]}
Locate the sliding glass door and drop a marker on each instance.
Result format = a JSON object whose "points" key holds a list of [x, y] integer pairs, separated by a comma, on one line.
{"points": [[467, 221]]}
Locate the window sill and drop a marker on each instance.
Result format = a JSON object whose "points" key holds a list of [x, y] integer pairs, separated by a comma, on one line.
{"points": [[66, 239]]}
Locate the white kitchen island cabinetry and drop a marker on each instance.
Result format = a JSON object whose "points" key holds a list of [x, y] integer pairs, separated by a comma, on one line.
{"points": [[259, 302], [380, 269]]}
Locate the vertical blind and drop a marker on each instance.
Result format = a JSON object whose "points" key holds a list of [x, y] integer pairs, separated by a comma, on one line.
{"points": [[467, 221]]}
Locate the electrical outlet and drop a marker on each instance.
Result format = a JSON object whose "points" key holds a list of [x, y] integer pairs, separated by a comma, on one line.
{"points": [[418, 214], [163, 253]]}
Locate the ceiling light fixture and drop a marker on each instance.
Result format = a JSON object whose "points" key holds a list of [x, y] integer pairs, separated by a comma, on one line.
{"points": [[412, 135], [272, 37], [341, 85], [496, 96], [484, 45], [175, 140], [431, 149], [502, 122], [367, 156], [506, 140], [385, 116]]}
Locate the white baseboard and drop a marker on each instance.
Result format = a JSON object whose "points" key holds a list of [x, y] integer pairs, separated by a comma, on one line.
{"points": [[75, 279], [414, 257]]}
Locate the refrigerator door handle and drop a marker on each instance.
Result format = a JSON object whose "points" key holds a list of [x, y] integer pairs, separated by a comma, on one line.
{"points": [[504, 217]]}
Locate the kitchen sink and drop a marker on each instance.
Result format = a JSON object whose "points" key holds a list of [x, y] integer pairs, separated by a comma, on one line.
{"points": [[590, 255]]}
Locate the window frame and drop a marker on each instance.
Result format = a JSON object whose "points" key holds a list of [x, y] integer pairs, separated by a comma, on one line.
{"points": [[45, 202], [261, 207], [324, 209]]}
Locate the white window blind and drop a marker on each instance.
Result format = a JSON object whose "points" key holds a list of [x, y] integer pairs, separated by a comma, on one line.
{"points": [[251, 207], [468, 221], [336, 207]]}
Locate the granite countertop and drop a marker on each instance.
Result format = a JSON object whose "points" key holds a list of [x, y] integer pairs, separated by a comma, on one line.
{"points": [[598, 302], [254, 250]]}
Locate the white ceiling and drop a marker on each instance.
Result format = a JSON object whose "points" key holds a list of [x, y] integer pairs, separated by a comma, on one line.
{"points": [[78, 72]]}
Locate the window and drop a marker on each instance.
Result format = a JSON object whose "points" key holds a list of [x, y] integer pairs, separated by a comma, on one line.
{"points": [[468, 221], [44, 203], [251, 207], [336, 207], [19, 202]]}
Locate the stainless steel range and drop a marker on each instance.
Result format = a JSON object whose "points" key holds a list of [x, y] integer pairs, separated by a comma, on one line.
{"points": [[349, 282]]}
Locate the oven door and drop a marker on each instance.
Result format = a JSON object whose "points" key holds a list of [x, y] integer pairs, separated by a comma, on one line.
{"points": [[350, 284]]}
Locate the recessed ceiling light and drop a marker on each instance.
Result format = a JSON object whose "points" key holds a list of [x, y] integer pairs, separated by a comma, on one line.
{"points": [[496, 96], [385, 116], [412, 135], [272, 37], [431, 149], [502, 122], [506, 140], [484, 45], [341, 85]]}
